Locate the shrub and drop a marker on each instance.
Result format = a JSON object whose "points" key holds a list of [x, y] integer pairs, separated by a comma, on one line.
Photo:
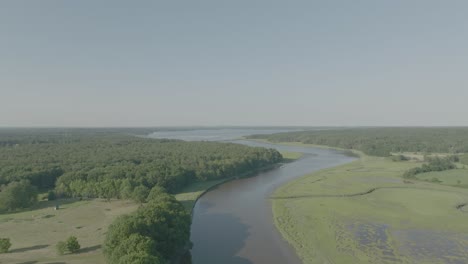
{"points": [[69, 246], [72, 244], [435, 180], [5, 245], [399, 158], [61, 248]]}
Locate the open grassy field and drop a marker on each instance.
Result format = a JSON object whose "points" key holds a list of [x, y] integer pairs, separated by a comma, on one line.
{"points": [[364, 212], [35, 233], [456, 177]]}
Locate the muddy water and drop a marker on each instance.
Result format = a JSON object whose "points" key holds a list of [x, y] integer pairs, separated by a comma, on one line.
{"points": [[233, 224]]}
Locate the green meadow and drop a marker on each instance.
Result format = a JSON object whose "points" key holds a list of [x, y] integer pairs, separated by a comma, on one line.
{"points": [[456, 177], [35, 233], [365, 212]]}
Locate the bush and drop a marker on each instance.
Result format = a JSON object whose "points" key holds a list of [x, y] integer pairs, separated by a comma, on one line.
{"points": [[399, 158], [5, 245], [435, 180], [61, 248], [72, 244], [69, 246]]}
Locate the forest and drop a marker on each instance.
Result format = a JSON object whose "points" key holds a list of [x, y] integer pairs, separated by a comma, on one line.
{"points": [[106, 163], [382, 141]]}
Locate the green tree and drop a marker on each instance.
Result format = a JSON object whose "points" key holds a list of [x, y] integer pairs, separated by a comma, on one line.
{"points": [[72, 244], [133, 244], [156, 193], [140, 258], [17, 195], [140, 193], [126, 189], [5, 245]]}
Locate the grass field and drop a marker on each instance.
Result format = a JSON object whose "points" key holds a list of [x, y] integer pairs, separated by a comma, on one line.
{"points": [[189, 195], [457, 177], [364, 212], [35, 233], [291, 156]]}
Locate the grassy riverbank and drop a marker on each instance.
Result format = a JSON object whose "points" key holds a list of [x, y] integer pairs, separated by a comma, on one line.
{"points": [[364, 212], [189, 195]]}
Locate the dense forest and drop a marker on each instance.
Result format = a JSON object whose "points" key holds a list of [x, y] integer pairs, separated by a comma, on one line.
{"points": [[382, 141], [113, 164]]}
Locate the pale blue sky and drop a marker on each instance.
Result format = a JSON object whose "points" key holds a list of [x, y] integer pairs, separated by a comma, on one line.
{"points": [[158, 63]]}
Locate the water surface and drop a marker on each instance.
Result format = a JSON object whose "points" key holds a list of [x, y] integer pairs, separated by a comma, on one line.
{"points": [[233, 224]]}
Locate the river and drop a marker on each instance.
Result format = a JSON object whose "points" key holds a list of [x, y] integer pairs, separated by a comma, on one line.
{"points": [[233, 223]]}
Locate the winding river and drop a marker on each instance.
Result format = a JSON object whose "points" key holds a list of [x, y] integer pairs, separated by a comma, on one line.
{"points": [[233, 223]]}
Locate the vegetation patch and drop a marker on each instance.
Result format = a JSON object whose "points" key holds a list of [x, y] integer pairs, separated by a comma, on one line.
{"points": [[454, 177], [290, 156], [36, 239], [331, 217], [382, 141]]}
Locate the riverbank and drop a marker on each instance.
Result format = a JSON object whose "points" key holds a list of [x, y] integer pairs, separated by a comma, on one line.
{"points": [[190, 195], [363, 212]]}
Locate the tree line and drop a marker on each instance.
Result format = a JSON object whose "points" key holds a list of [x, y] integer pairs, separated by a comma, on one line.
{"points": [[434, 164], [113, 165], [382, 141]]}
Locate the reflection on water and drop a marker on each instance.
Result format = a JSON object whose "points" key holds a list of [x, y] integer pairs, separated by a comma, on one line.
{"points": [[233, 224]]}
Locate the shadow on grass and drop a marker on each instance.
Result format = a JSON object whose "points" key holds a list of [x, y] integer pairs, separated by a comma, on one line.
{"points": [[43, 205], [89, 249], [52, 204], [21, 250]]}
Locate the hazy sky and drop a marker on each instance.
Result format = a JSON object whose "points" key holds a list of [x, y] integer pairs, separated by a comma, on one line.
{"points": [[156, 63]]}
